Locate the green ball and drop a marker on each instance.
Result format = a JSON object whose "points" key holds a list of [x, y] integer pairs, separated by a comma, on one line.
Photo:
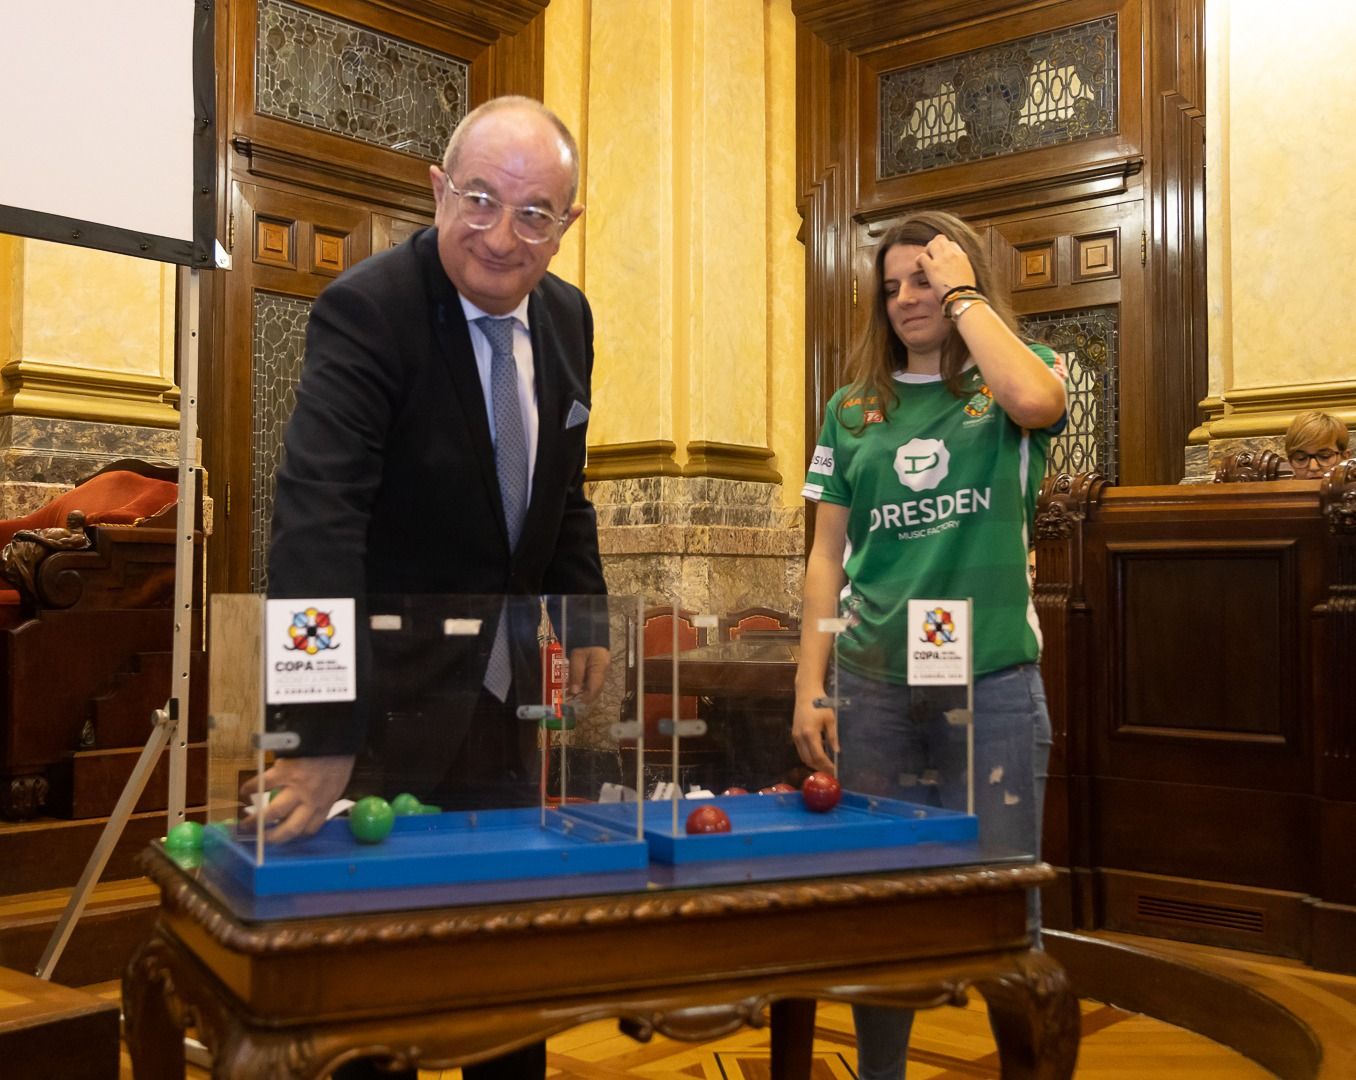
{"points": [[427, 809], [187, 834], [406, 804], [370, 820]]}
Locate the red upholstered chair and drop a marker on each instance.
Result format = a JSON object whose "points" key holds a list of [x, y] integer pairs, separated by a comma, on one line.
{"points": [[86, 633], [759, 621], [697, 757], [657, 637]]}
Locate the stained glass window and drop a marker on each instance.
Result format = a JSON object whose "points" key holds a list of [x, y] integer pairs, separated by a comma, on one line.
{"points": [[279, 347], [1088, 342], [1051, 88], [339, 77]]}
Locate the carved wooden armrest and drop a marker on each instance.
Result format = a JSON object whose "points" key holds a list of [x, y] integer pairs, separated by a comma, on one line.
{"points": [[1249, 466], [29, 547]]}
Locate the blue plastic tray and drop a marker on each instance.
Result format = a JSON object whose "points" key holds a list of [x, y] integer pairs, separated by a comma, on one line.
{"points": [[782, 825], [432, 849]]}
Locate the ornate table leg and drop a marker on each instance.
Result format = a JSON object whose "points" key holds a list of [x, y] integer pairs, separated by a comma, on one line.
{"points": [[793, 1036], [155, 1038], [1034, 1016]]}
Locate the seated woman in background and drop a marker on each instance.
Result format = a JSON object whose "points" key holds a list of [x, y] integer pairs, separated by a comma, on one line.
{"points": [[1314, 443]]}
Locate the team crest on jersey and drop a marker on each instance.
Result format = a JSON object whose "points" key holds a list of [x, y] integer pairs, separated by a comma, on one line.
{"points": [[922, 464], [979, 402]]}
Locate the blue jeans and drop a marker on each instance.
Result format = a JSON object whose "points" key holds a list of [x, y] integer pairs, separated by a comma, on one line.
{"points": [[896, 741]]}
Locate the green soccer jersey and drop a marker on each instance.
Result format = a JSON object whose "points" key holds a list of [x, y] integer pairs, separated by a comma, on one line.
{"points": [[941, 493]]}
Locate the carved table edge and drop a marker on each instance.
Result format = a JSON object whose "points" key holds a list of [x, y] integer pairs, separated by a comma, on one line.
{"points": [[179, 895]]}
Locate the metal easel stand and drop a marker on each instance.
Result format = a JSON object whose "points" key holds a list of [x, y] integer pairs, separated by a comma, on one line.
{"points": [[169, 724]]}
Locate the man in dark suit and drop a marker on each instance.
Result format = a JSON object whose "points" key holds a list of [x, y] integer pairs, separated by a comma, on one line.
{"points": [[437, 447]]}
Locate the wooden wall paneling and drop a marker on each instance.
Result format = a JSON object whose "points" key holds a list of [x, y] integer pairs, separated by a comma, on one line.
{"points": [[1175, 185], [1060, 598], [1201, 689], [822, 183], [860, 24], [517, 61], [1207, 832], [261, 212], [1226, 698], [1113, 231], [1334, 915]]}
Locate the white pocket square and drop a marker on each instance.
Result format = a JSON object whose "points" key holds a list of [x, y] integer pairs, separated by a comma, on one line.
{"points": [[578, 414]]}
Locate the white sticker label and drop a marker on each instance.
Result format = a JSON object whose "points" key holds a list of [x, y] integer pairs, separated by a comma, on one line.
{"points": [[385, 622], [822, 462], [939, 642], [311, 650], [461, 627]]}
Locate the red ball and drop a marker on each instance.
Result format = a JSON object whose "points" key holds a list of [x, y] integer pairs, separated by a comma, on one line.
{"points": [[776, 789], [821, 791], [708, 819], [735, 791]]}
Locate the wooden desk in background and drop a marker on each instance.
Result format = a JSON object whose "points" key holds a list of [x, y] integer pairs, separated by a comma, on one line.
{"points": [[747, 690]]}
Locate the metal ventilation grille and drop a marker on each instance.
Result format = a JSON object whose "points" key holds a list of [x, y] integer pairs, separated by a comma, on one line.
{"points": [[1195, 913]]}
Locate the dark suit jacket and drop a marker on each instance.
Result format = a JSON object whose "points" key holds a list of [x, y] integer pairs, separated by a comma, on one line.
{"points": [[388, 482]]}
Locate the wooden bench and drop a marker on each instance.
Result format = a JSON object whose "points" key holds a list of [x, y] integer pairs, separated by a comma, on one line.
{"points": [[52, 1030]]}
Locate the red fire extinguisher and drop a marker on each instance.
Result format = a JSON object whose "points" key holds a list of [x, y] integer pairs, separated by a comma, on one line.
{"points": [[552, 694], [552, 674]]}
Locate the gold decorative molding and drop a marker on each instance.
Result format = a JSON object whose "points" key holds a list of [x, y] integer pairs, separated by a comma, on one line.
{"points": [[1268, 410], [34, 388], [728, 461], [624, 461]]}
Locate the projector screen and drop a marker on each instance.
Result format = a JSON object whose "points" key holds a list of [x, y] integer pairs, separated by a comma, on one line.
{"points": [[106, 133]]}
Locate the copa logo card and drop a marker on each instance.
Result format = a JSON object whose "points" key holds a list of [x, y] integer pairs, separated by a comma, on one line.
{"points": [[939, 642], [310, 651]]}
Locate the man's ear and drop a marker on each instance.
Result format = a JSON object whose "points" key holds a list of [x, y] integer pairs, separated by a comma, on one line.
{"points": [[438, 181], [572, 217]]}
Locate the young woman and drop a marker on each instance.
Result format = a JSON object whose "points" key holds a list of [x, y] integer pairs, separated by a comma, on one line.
{"points": [[1314, 443], [926, 477]]}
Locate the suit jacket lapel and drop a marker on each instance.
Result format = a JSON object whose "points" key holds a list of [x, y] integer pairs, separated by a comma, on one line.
{"points": [[454, 342]]}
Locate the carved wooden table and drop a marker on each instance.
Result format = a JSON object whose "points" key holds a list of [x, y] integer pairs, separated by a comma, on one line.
{"points": [[437, 988]]}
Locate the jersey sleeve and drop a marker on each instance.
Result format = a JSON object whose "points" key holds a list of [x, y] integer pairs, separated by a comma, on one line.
{"points": [[1055, 363], [824, 482]]}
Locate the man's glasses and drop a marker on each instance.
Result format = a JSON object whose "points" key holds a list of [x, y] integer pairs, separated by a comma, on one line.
{"points": [[1300, 459], [531, 224]]}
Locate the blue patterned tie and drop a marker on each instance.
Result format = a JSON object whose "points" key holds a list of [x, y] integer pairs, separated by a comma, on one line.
{"points": [[510, 459]]}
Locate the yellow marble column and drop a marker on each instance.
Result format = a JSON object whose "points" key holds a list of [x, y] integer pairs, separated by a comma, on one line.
{"points": [[1279, 220], [90, 334], [688, 251], [86, 366]]}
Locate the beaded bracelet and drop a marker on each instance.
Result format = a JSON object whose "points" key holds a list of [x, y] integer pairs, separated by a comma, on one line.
{"points": [[972, 295], [959, 288]]}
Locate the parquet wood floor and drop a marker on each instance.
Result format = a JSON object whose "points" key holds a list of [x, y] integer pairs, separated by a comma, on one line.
{"points": [[948, 1044]]}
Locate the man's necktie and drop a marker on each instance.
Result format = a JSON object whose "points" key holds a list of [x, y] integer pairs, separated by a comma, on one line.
{"points": [[510, 459]]}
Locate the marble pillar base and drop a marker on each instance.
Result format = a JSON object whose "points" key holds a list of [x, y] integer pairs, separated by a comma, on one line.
{"points": [[41, 458], [1203, 460], [714, 546]]}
